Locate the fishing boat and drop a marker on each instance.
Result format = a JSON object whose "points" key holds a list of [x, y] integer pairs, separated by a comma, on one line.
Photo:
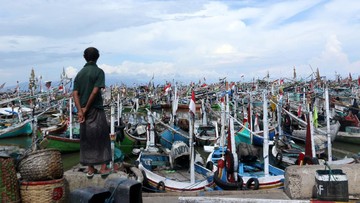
{"points": [[205, 133], [61, 142], [134, 134], [318, 133], [66, 141], [286, 152], [234, 172], [15, 129], [174, 132], [12, 123], [256, 138], [57, 125], [350, 135], [170, 135], [168, 169]]}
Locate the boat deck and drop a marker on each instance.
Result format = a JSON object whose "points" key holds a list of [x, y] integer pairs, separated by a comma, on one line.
{"points": [[181, 175]]}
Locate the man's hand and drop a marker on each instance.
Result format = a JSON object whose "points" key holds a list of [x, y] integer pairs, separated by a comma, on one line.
{"points": [[81, 116]]}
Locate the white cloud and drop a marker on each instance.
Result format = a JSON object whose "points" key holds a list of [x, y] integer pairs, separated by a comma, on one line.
{"points": [[71, 72], [181, 40]]}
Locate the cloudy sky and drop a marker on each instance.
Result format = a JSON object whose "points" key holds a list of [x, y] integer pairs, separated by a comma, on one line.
{"points": [[180, 40]]}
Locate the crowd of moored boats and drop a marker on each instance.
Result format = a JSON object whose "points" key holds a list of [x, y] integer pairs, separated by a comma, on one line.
{"points": [[236, 124]]}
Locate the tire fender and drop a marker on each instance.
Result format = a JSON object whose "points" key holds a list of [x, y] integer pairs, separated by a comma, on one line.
{"points": [[160, 186], [250, 182]]}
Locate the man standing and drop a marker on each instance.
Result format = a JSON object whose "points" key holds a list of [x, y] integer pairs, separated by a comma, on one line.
{"points": [[95, 141]]}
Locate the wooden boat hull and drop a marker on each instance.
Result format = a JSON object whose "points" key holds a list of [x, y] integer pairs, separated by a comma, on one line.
{"points": [[55, 129], [351, 139], [168, 137], [63, 144], [130, 142], [16, 130], [205, 135], [275, 179], [158, 178], [300, 135], [351, 136], [244, 136]]}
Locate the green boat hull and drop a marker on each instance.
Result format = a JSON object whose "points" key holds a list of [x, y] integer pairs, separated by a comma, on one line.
{"points": [[129, 143], [63, 144]]}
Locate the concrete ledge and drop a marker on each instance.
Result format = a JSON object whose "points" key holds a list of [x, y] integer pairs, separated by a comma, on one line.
{"points": [[300, 180], [218, 196], [75, 179], [266, 193], [234, 200]]}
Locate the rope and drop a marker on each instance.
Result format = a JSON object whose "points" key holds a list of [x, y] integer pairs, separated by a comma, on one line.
{"points": [[111, 198]]}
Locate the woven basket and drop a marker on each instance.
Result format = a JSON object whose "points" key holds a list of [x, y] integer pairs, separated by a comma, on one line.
{"points": [[43, 191], [9, 185], [41, 165]]}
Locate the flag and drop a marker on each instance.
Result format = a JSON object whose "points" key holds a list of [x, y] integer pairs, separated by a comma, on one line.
{"points": [[299, 111], [192, 107], [167, 88], [315, 117], [281, 82]]}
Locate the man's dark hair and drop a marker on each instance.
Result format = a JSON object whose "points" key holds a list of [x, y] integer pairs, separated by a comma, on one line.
{"points": [[91, 54]]}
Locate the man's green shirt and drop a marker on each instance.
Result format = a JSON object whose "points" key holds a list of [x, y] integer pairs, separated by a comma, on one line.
{"points": [[90, 76]]}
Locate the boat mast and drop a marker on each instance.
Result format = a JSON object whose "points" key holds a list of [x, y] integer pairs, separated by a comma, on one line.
{"points": [[266, 135], [175, 104], [328, 125], [70, 118], [191, 145], [112, 133], [312, 132], [119, 109], [278, 108], [251, 127]]}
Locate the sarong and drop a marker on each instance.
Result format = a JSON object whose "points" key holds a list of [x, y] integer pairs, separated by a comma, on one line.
{"points": [[95, 144]]}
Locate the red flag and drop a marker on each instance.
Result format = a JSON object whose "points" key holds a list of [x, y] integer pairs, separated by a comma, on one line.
{"points": [[167, 88], [192, 107], [299, 111]]}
